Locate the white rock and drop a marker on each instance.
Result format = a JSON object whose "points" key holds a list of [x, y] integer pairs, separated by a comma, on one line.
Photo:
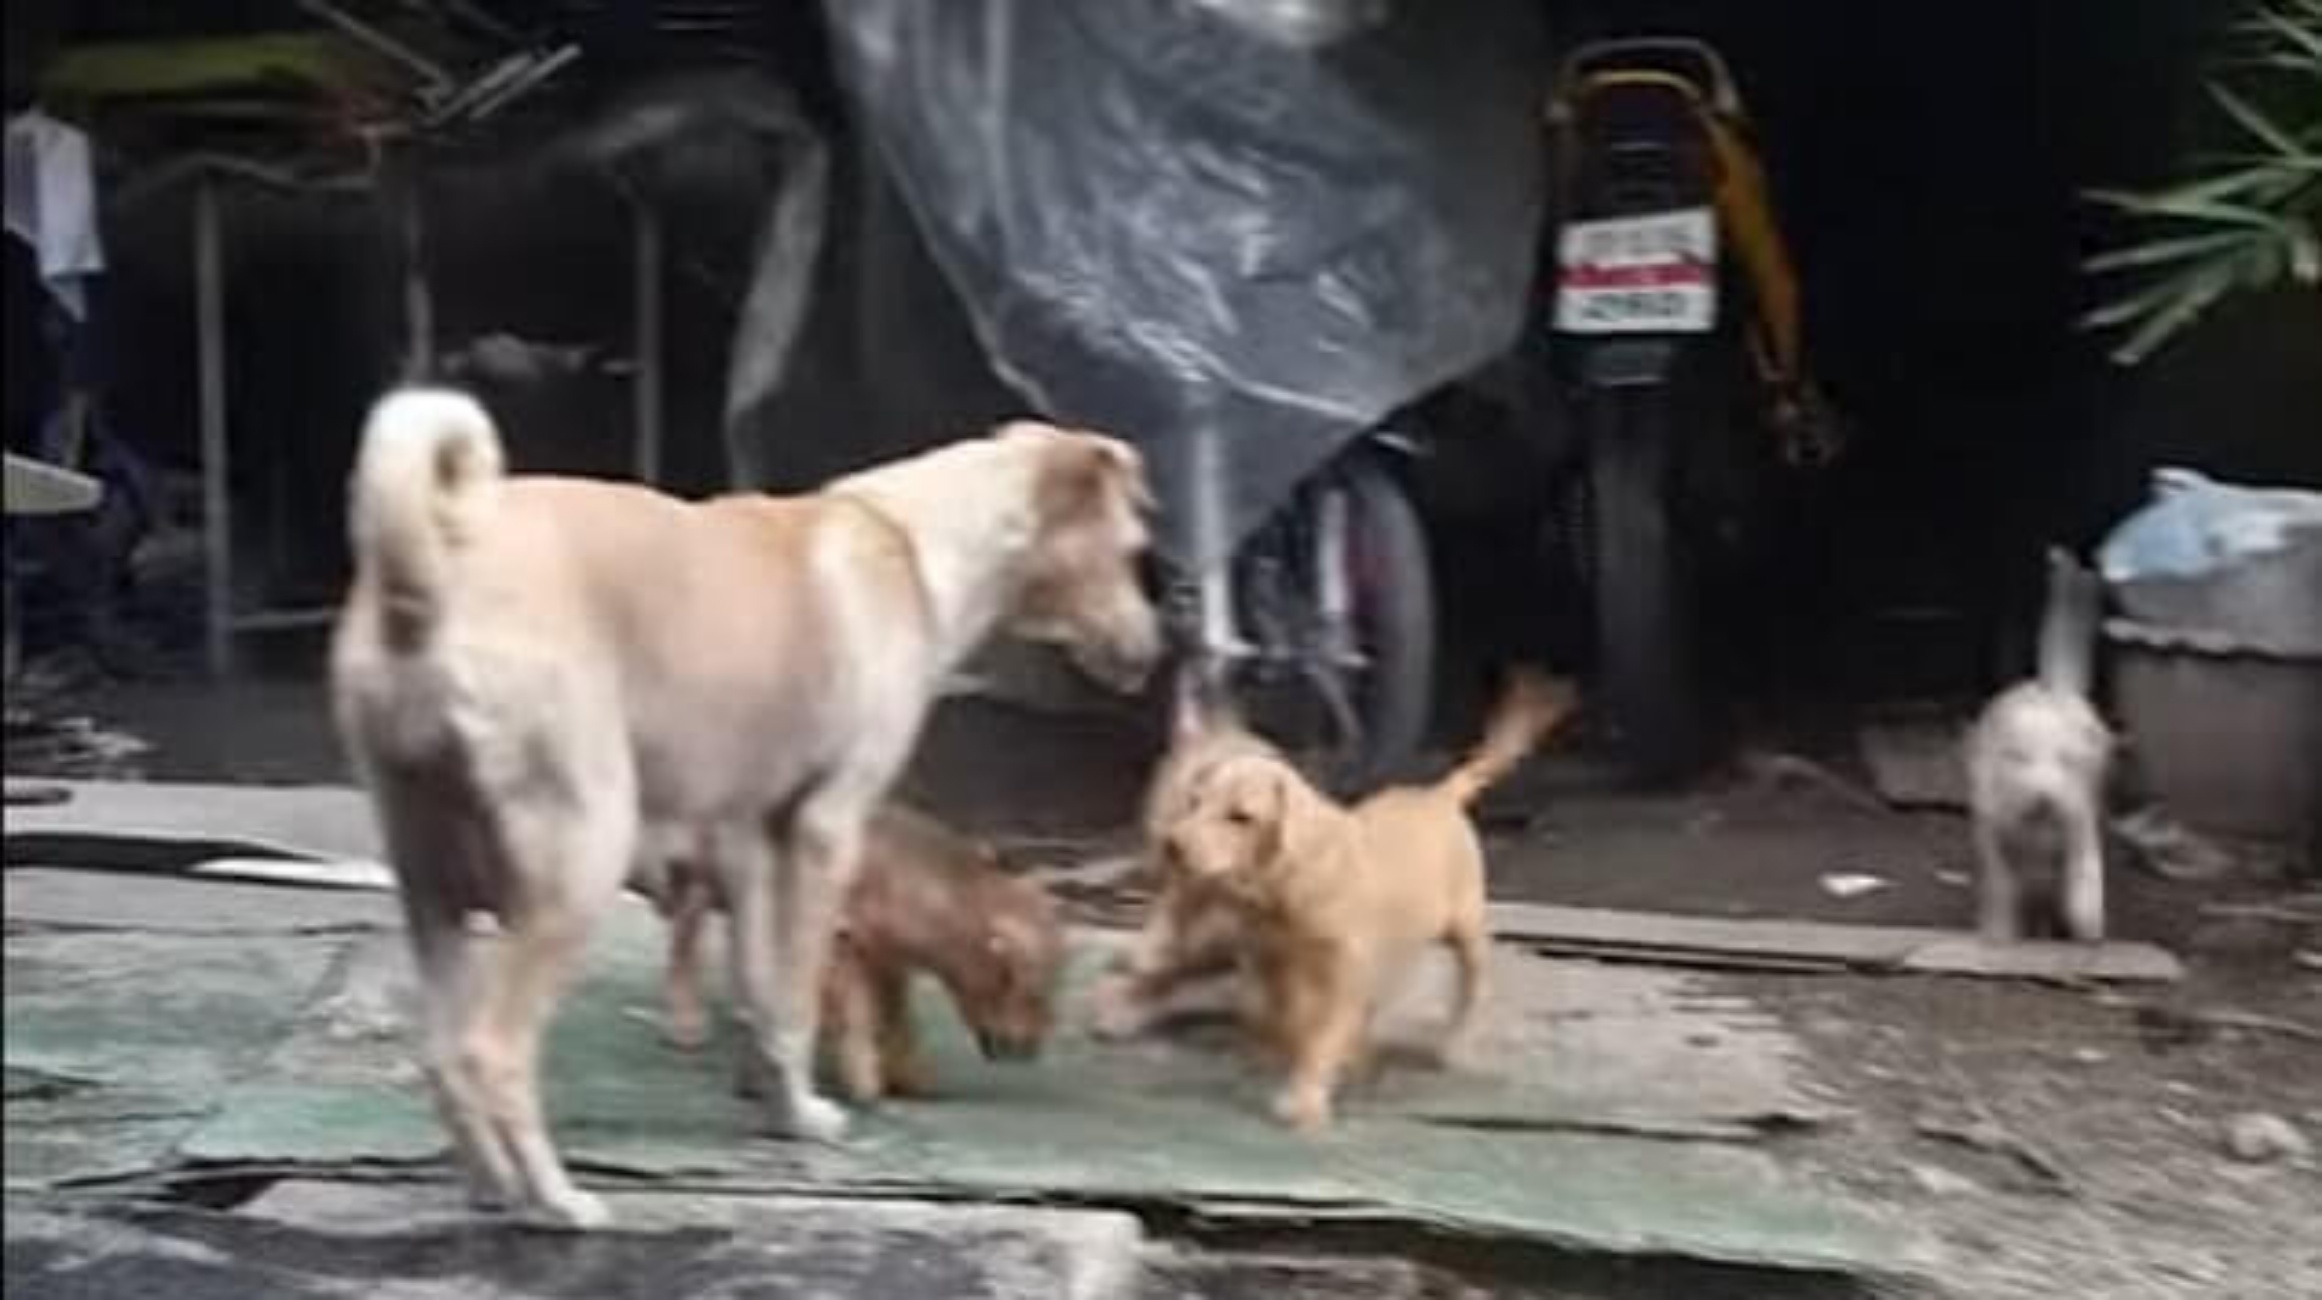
{"points": [[2260, 1138], [1935, 1180]]}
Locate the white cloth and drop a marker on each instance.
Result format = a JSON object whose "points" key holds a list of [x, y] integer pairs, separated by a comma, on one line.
{"points": [[52, 203]]}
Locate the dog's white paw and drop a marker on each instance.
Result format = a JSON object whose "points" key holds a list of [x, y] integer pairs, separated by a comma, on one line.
{"points": [[1304, 1108], [575, 1211], [808, 1118], [686, 1034]]}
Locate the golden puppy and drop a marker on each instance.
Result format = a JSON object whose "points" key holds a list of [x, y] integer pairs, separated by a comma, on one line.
{"points": [[1335, 902], [927, 899], [1192, 933]]}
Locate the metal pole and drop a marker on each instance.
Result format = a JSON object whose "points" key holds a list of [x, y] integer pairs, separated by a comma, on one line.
{"points": [[418, 301], [647, 391], [217, 498]]}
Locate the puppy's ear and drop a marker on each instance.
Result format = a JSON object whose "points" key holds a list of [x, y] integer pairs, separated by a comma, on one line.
{"points": [[1295, 825]]}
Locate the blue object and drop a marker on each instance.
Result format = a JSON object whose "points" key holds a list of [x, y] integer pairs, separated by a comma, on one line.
{"points": [[2197, 527]]}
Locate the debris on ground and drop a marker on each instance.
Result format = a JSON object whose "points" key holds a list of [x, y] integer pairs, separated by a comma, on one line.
{"points": [[1774, 771], [72, 746], [1935, 1180], [2167, 1025], [2305, 909], [2170, 849], [2258, 1138], [1916, 764], [1989, 1137], [1852, 884]]}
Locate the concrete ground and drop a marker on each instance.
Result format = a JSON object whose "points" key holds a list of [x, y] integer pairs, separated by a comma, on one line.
{"points": [[2051, 1140]]}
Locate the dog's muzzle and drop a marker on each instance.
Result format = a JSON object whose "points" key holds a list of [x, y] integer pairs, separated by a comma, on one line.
{"points": [[1125, 669]]}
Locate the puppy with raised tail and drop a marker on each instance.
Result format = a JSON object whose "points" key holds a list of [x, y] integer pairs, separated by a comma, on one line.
{"points": [[1336, 903], [539, 678], [2037, 760], [1192, 935]]}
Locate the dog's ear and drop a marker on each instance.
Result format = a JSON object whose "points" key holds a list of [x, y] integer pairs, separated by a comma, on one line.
{"points": [[1085, 471], [1295, 821]]}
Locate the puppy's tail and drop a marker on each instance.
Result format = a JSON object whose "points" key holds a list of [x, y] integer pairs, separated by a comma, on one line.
{"points": [[2068, 625], [425, 455], [1534, 703]]}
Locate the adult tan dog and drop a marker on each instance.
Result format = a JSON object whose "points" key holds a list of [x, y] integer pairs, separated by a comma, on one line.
{"points": [[1336, 902], [926, 899], [535, 675]]}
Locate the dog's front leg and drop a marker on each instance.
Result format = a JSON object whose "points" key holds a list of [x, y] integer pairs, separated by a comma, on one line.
{"points": [[1331, 1013], [1186, 939], [899, 1064], [785, 902], [2084, 880], [1999, 909]]}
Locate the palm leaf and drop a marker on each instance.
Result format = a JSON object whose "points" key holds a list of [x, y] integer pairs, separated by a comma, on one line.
{"points": [[2160, 252], [2257, 124], [2203, 287], [2242, 221], [2305, 37]]}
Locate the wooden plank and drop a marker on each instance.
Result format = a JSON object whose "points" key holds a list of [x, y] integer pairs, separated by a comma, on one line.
{"points": [[1965, 954], [1605, 927], [1807, 945]]}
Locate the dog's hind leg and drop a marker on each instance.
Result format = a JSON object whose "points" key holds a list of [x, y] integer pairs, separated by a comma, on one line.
{"points": [[566, 860], [1470, 954], [785, 884], [431, 849]]}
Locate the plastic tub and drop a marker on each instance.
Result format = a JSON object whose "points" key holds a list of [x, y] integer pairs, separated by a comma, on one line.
{"points": [[2229, 737]]}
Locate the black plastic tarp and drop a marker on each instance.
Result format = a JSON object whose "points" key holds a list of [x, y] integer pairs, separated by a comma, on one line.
{"points": [[1170, 220]]}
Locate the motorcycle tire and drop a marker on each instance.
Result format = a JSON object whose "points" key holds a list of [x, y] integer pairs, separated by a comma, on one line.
{"points": [[1647, 623], [1394, 603], [13, 632]]}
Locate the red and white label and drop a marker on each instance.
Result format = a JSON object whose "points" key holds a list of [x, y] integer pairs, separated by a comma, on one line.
{"points": [[1652, 274]]}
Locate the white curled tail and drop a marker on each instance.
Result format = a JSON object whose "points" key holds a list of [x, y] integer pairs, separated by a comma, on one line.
{"points": [[2068, 626], [411, 504]]}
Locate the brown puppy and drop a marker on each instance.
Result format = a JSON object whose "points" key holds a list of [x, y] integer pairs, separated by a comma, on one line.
{"points": [[927, 899], [1336, 902], [537, 678]]}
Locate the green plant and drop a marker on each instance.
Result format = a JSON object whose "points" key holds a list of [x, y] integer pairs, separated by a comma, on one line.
{"points": [[2247, 218]]}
